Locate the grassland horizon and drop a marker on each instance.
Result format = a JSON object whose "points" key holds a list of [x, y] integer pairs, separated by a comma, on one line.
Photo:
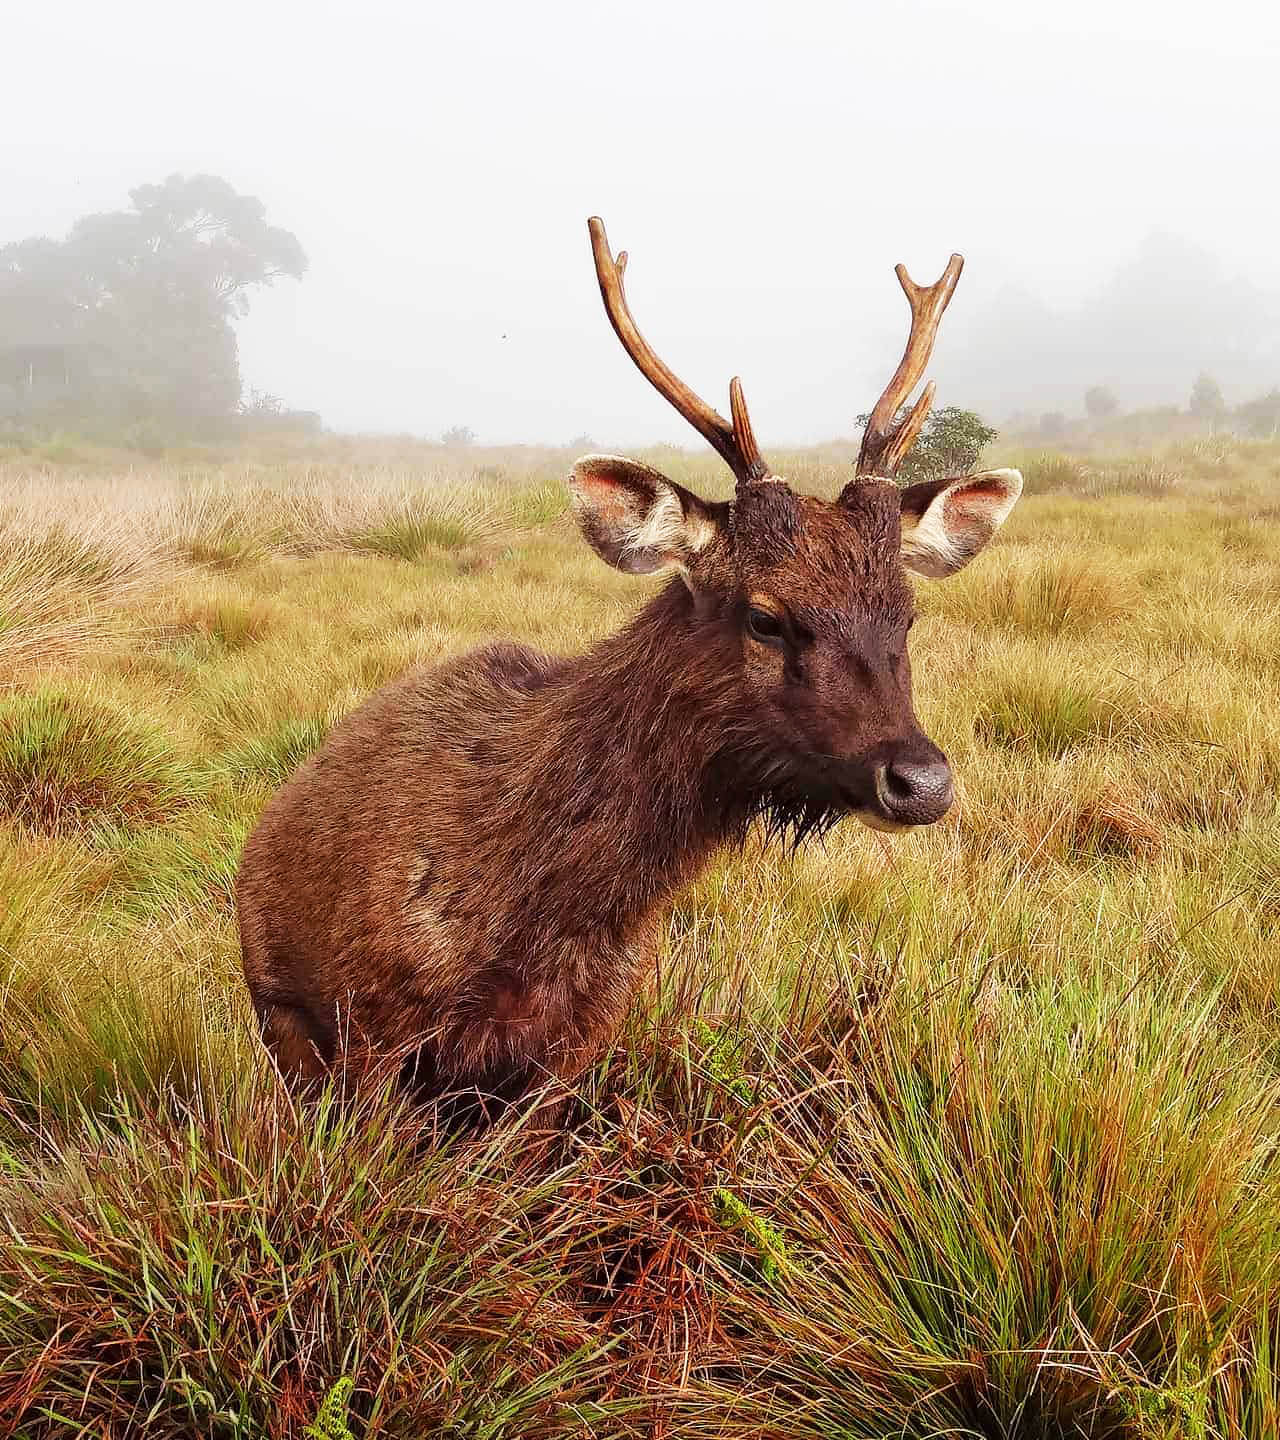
{"points": [[971, 1133]]}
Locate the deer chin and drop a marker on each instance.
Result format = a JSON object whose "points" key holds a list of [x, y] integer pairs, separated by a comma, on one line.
{"points": [[879, 822], [841, 791]]}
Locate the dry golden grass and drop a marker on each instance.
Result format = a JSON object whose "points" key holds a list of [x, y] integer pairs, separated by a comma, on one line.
{"points": [[970, 1133]]}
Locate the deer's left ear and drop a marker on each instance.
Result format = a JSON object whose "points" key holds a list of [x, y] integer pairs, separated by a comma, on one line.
{"points": [[946, 522]]}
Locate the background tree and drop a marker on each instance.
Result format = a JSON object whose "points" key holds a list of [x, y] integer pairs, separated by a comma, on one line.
{"points": [[457, 436], [132, 315], [949, 444], [1206, 401], [1100, 402]]}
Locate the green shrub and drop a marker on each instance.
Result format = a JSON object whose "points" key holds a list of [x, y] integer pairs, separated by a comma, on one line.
{"points": [[949, 444], [68, 761]]}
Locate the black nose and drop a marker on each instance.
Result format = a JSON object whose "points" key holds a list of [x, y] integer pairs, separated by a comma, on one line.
{"points": [[914, 791]]}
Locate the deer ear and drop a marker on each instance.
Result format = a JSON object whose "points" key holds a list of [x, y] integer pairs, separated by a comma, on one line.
{"points": [[636, 519], [945, 523]]}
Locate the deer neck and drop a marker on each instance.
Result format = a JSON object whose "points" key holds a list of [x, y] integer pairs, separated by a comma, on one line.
{"points": [[618, 793]]}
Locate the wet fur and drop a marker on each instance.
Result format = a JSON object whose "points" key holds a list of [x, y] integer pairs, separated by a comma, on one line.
{"points": [[469, 879]]}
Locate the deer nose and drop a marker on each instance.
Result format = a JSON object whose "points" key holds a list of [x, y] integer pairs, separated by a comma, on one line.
{"points": [[914, 790]]}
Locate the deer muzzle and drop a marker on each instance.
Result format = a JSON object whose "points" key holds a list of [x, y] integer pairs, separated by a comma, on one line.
{"points": [[897, 785], [914, 788]]}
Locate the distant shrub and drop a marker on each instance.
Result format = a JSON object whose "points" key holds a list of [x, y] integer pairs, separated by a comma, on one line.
{"points": [[153, 436], [949, 444], [1052, 471], [1206, 401], [458, 436], [259, 405], [59, 452], [1100, 402]]}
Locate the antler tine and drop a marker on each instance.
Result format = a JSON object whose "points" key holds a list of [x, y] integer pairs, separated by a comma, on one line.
{"points": [[885, 444], [734, 441]]}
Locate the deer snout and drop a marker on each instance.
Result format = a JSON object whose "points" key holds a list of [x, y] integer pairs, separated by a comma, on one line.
{"points": [[913, 786]]}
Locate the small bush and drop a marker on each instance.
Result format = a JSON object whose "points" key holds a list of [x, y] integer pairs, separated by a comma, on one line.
{"points": [[69, 761], [949, 444], [1050, 473]]}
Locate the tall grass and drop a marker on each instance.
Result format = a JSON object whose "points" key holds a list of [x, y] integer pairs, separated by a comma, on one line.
{"points": [[967, 1134]]}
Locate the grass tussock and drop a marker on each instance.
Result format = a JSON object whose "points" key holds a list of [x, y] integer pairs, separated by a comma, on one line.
{"points": [[410, 535], [971, 1133], [1039, 594], [1041, 705], [59, 585], [68, 761]]}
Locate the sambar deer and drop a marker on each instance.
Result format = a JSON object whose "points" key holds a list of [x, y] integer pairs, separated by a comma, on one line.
{"points": [[468, 879]]}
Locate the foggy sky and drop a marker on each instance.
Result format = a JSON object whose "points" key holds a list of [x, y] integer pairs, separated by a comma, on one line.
{"points": [[764, 165]]}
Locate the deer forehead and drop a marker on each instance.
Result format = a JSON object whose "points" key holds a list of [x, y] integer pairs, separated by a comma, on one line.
{"points": [[773, 526], [821, 558]]}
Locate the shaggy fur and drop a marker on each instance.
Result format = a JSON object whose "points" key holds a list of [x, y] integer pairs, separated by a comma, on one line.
{"points": [[469, 878]]}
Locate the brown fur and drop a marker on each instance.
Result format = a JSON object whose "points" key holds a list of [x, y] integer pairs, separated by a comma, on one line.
{"points": [[470, 876]]}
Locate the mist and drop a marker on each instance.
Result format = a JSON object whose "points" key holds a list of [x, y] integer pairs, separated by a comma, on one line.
{"points": [[1107, 171]]}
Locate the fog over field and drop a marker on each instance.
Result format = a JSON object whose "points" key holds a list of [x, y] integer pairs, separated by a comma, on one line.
{"points": [[1106, 169], [341, 710]]}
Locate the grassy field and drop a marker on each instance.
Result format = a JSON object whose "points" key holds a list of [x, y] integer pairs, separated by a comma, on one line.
{"points": [[971, 1132]]}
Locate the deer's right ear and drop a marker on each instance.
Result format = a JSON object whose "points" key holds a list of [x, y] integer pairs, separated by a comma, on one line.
{"points": [[636, 519]]}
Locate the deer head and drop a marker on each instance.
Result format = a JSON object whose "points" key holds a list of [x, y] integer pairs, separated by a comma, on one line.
{"points": [[808, 598]]}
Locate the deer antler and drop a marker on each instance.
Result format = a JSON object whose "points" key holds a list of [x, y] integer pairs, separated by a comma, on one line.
{"points": [[884, 444], [734, 441]]}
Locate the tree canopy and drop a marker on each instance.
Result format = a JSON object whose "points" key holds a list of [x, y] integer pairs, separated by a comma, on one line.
{"points": [[131, 315], [949, 444], [1206, 398], [1100, 402]]}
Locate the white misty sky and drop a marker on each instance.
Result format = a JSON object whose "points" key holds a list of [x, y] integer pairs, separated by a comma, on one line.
{"points": [[766, 165]]}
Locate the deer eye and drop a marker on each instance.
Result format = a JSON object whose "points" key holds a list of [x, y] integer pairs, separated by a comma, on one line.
{"points": [[764, 627]]}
